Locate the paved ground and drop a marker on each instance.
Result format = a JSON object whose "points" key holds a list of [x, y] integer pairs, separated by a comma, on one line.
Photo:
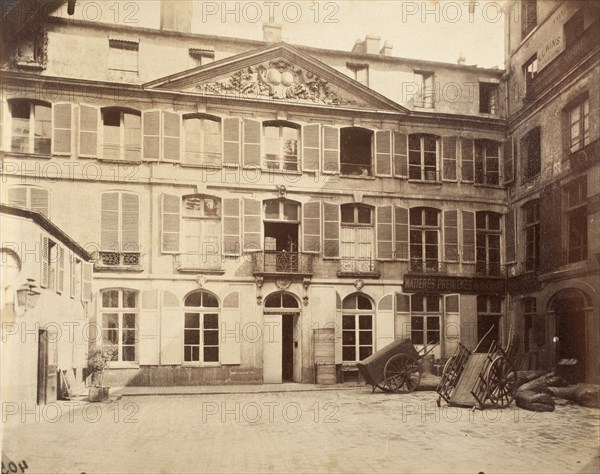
{"points": [[348, 430]]}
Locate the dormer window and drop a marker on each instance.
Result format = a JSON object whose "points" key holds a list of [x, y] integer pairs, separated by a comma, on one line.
{"points": [[123, 55], [425, 94], [359, 72], [200, 57]]}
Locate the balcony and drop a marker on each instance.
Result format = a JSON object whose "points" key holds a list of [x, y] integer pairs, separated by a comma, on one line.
{"points": [[117, 261], [273, 263], [358, 268], [585, 156], [488, 269], [198, 263], [427, 266]]}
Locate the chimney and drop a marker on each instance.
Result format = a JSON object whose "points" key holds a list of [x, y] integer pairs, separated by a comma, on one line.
{"points": [[461, 59], [387, 49], [272, 32], [372, 44]]}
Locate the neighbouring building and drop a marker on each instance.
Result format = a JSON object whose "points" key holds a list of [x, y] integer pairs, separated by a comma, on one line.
{"points": [[238, 195]]}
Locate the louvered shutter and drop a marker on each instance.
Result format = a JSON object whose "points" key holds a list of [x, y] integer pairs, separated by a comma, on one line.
{"points": [[384, 233], [311, 147], [3, 114], [151, 135], [171, 331], [402, 311], [44, 263], [467, 165], [384, 322], [252, 129], [86, 287], [170, 223], [73, 273], [88, 131], [18, 197], [311, 226], [149, 332], [60, 286], [230, 342], [452, 322], [451, 235], [400, 154], [171, 136], [109, 222], [62, 117], [231, 226], [252, 225], [449, 158], [383, 153], [331, 230], [130, 222], [401, 233], [509, 168], [331, 149], [40, 201], [468, 233], [510, 235], [231, 141]]}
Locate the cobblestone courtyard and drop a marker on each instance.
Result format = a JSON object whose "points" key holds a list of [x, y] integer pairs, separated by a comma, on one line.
{"points": [[327, 431]]}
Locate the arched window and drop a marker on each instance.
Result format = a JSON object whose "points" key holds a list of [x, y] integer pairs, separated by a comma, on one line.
{"points": [[423, 152], [356, 151], [281, 145], [357, 328], [201, 328], [31, 126], [424, 239], [356, 238], [122, 132], [487, 162], [281, 300], [202, 139], [487, 226], [119, 323]]}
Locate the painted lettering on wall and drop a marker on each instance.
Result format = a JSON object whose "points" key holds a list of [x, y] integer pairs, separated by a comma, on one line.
{"points": [[550, 51]]}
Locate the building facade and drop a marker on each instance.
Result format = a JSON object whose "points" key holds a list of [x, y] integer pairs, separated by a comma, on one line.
{"points": [[238, 195]]}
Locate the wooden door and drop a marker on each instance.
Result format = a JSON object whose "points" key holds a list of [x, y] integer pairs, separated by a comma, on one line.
{"points": [[272, 349]]}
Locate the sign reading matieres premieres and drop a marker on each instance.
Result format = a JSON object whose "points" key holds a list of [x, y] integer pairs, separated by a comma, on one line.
{"points": [[446, 284]]}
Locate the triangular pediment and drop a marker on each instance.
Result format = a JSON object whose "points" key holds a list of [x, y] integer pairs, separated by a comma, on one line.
{"points": [[277, 73]]}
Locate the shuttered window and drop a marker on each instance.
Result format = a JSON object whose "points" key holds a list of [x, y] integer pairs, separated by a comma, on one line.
{"points": [[231, 226], [122, 134], [401, 233], [384, 233], [311, 226], [151, 131], [510, 236], [331, 230], [119, 223], [60, 280], [424, 240], [252, 129], [449, 158], [311, 147], [509, 167], [62, 117], [28, 197], [202, 140], [400, 155], [170, 223], [487, 162], [468, 240], [89, 118], [252, 225], [383, 153], [331, 149], [467, 165], [231, 140], [31, 127], [451, 235], [171, 136], [423, 153]]}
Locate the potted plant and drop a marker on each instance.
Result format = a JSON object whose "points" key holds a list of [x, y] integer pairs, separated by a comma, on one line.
{"points": [[97, 361]]}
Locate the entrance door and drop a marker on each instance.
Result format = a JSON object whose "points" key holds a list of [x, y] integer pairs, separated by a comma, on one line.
{"points": [[570, 329], [281, 349], [42, 369]]}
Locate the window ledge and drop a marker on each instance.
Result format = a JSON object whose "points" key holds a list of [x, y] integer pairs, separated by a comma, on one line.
{"points": [[123, 365], [276, 171], [118, 268], [202, 165], [488, 186], [349, 176], [189, 365], [196, 270], [358, 274], [31, 65], [20, 154], [422, 181]]}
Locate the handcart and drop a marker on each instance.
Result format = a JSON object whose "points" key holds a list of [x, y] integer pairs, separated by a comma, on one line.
{"points": [[395, 368]]}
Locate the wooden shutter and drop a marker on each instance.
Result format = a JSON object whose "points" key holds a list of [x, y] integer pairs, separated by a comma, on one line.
{"points": [[231, 141], [62, 118], [451, 326], [311, 147], [467, 165], [171, 136], [401, 233], [384, 322], [18, 197], [331, 230], [252, 225], [510, 236], [89, 118], [400, 155], [449, 158], [311, 226], [3, 114], [230, 346], [468, 240], [331, 149], [402, 311], [383, 153], [109, 222], [86, 278], [130, 222], [451, 235], [552, 255], [171, 331], [39, 201], [148, 327], [151, 135], [252, 129], [384, 233], [73, 274], [509, 167], [170, 223], [44, 263], [60, 285], [231, 226]]}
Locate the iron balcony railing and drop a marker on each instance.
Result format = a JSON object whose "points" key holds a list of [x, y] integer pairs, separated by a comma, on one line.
{"points": [[358, 266], [118, 259], [427, 266], [283, 262]]}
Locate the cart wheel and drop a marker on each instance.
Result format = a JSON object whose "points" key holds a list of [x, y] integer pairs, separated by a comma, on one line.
{"points": [[449, 375], [402, 373], [501, 382]]}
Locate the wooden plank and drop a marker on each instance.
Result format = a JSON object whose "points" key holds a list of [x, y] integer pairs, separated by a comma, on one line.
{"points": [[462, 395]]}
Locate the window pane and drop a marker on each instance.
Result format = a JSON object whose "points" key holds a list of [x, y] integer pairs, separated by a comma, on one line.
{"points": [[416, 303], [211, 354], [211, 321], [416, 323], [416, 337], [129, 353], [129, 321], [493, 221], [363, 302], [110, 299], [481, 304], [43, 129], [128, 337], [129, 299], [365, 352], [433, 323], [348, 322], [192, 320], [209, 301], [364, 215], [272, 209], [211, 207], [495, 304], [402, 303], [347, 214], [365, 321], [349, 353], [348, 338], [195, 299], [349, 302], [433, 303], [289, 301], [365, 338], [191, 336], [290, 211], [415, 217], [211, 338]]}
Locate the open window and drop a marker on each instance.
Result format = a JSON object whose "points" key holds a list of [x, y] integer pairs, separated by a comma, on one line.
{"points": [[356, 151], [282, 140], [31, 127], [356, 238], [202, 139], [122, 132]]}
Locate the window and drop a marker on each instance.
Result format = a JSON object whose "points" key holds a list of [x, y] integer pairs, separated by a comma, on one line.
{"points": [[200, 57], [425, 319], [423, 157], [573, 28], [529, 314], [532, 154], [532, 235], [201, 231], [530, 70], [281, 233], [281, 145], [122, 134], [356, 238], [575, 198], [123, 55], [425, 95], [201, 328], [488, 98], [579, 125], [528, 16], [52, 259], [487, 162], [356, 151], [359, 72], [76, 281], [357, 328], [489, 314], [424, 239], [202, 140], [119, 323], [487, 225], [30, 197], [31, 127], [119, 229]]}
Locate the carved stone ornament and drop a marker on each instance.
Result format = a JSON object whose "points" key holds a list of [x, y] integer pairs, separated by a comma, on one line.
{"points": [[283, 283], [278, 80], [358, 284], [201, 280]]}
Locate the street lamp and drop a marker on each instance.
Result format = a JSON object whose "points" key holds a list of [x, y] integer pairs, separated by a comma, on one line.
{"points": [[27, 295]]}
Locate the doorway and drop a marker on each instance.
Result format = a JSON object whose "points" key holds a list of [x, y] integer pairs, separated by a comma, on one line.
{"points": [[42, 367], [570, 330]]}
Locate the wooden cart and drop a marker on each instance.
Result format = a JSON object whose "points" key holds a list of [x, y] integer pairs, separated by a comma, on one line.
{"points": [[470, 379], [395, 368]]}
